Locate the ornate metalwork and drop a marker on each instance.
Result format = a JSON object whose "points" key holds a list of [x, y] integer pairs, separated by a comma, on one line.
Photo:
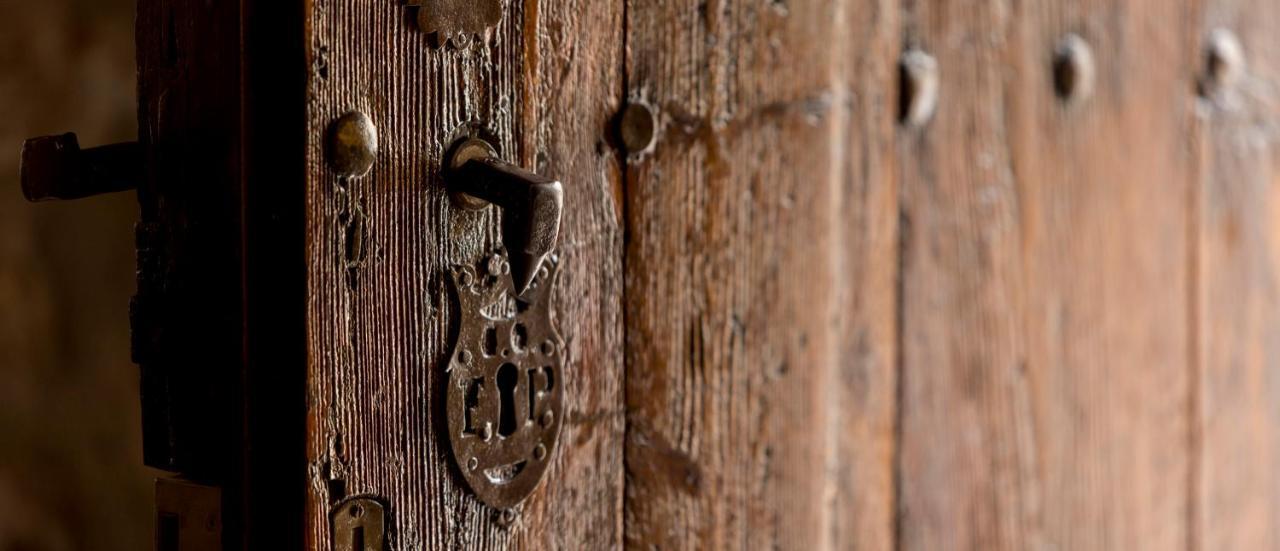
{"points": [[457, 21], [506, 383]]}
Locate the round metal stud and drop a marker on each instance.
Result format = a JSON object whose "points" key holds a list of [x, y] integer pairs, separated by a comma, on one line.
{"points": [[540, 452], [495, 265], [1074, 72], [919, 93], [473, 464], [547, 418], [506, 517], [1224, 62], [638, 128], [353, 144]]}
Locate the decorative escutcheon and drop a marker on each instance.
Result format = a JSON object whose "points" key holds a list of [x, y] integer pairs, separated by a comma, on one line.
{"points": [[456, 21], [506, 383]]}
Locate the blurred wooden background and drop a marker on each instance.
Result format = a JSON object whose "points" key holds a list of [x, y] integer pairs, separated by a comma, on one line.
{"points": [[71, 474]]}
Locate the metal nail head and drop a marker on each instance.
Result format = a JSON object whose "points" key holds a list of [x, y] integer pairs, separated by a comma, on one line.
{"points": [[638, 128], [353, 144], [1074, 72], [919, 93], [1224, 62]]}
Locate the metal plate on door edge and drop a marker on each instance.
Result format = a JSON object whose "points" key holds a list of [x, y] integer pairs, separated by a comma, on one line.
{"points": [[359, 524], [506, 380], [188, 516]]}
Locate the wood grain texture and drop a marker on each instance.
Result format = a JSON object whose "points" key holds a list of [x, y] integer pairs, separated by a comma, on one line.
{"points": [[759, 276], [1238, 426], [1046, 344], [544, 83], [863, 205]]}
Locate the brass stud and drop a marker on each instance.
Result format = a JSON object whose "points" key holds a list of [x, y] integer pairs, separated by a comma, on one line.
{"points": [[919, 87], [1074, 72], [353, 144]]}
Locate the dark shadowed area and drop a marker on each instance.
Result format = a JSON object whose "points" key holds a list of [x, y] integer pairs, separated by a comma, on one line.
{"points": [[71, 474]]}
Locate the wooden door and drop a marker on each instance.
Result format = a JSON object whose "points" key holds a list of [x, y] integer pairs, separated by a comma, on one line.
{"points": [[811, 313], [858, 274]]}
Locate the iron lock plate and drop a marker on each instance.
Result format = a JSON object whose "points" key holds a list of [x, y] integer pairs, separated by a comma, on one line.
{"points": [[506, 379]]}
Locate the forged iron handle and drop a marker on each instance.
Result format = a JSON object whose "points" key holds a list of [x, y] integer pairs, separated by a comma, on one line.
{"points": [[531, 204], [54, 167]]}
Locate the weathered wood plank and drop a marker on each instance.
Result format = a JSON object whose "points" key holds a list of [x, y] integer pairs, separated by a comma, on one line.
{"points": [[1238, 425], [863, 206], [760, 276], [1046, 289], [544, 83]]}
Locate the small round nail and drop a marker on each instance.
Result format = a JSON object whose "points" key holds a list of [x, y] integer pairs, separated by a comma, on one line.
{"points": [[638, 128], [1224, 62], [1074, 72], [919, 93], [353, 144]]}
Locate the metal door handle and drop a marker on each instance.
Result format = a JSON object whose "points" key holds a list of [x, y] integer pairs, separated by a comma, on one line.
{"points": [[531, 204], [54, 167]]}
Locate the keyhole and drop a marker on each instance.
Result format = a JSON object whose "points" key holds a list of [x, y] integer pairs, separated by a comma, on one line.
{"points": [[167, 530], [357, 539], [508, 377]]}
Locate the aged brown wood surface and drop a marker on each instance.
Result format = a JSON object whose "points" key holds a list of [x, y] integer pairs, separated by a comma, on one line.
{"points": [[1030, 323], [1045, 283], [1237, 497], [760, 276], [544, 84]]}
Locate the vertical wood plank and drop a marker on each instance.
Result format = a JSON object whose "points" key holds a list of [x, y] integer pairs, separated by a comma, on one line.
{"points": [[760, 276], [861, 395], [1238, 425], [544, 83], [1046, 284]]}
